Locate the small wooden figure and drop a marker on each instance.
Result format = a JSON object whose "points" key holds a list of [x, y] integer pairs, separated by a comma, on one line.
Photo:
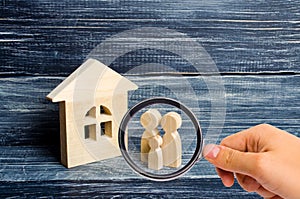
{"points": [[155, 156], [171, 146], [149, 120]]}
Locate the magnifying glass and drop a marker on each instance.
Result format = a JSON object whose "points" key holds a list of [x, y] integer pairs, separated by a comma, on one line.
{"points": [[160, 138]]}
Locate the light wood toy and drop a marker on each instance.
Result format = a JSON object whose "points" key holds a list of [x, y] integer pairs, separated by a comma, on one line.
{"points": [[155, 156], [149, 120], [92, 103], [171, 147]]}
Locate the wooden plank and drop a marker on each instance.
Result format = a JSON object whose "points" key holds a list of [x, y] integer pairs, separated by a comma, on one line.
{"points": [[250, 100], [181, 188], [51, 38], [29, 144]]}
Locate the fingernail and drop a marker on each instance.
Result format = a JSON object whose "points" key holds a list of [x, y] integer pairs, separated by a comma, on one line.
{"points": [[211, 151]]}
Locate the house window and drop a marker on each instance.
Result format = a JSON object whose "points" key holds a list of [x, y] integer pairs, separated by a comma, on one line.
{"points": [[90, 132], [91, 112], [104, 111], [97, 115], [106, 129]]}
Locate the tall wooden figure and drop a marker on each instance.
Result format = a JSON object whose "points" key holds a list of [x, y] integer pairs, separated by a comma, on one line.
{"points": [[149, 120], [171, 146]]}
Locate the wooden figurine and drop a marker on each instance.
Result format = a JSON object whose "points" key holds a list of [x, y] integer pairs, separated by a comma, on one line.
{"points": [[92, 102], [171, 147], [155, 156], [149, 120]]}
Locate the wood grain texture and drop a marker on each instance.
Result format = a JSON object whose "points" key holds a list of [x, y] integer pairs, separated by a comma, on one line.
{"points": [[255, 46], [53, 37], [122, 189], [34, 153]]}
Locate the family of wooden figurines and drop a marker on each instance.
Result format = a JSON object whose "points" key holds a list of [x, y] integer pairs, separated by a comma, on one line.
{"points": [[160, 151]]}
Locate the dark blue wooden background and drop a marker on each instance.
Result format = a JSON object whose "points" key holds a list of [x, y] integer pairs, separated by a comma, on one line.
{"points": [[255, 45]]}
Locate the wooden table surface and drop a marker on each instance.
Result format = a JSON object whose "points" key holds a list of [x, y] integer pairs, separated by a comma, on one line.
{"points": [[255, 45]]}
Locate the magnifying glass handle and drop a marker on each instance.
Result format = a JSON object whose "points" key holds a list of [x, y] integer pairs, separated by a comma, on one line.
{"points": [[201, 154]]}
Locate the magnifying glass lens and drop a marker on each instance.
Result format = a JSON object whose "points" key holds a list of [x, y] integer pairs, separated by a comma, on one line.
{"points": [[160, 139]]}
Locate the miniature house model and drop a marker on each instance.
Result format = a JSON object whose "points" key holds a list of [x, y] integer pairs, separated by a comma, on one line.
{"points": [[92, 102]]}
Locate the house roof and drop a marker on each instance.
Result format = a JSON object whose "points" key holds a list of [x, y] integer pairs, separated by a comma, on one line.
{"points": [[90, 78]]}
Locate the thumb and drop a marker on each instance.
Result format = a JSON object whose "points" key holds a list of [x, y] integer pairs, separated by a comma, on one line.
{"points": [[231, 160]]}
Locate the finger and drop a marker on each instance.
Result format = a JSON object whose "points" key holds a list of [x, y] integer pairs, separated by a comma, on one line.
{"points": [[265, 193], [226, 177], [247, 183], [231, 160], [275, 197], [237, 141], [251, 185], [249, 140]]}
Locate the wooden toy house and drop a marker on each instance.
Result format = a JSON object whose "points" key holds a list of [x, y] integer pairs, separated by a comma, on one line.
{"points": [[92, 102]]}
